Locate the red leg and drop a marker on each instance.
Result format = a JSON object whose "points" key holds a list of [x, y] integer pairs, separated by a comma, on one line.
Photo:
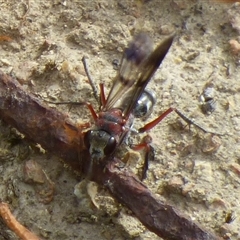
{"points": [[146, 144], [94, 114], [149, 153], [152, 124]]}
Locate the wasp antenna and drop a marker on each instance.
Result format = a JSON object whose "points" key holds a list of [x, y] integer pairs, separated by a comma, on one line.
{"points": [[91, 82]]}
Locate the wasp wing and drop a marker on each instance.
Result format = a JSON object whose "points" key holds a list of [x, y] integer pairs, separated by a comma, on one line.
{"points": [[138, 65], [133, 58], [148, 69]]}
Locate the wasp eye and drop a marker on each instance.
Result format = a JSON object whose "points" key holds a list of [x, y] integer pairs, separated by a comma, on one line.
{"points": [[110, 147], [87, 139]]}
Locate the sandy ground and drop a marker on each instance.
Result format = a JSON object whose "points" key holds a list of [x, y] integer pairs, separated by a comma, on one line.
{"points": [[42, 43]]}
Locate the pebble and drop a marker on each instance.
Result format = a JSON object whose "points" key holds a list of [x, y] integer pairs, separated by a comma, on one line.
{"points": [[203, 170]]}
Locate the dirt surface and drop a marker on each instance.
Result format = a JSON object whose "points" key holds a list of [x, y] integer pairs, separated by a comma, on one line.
{"points": [[42, 44]]}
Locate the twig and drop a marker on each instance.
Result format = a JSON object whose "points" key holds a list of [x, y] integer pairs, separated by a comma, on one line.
{"points": [[57, 134], [22, 232]]}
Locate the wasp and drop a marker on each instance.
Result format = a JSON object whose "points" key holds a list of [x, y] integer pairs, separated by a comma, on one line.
{"points": [[127, 98]]}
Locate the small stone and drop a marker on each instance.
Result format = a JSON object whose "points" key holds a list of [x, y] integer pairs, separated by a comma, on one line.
{"points": [[5, 62], [33, 172], [187, 188], [203, 170], [235, 168], [24, 70], [176, 182], [235, 46], [211, 144], [166, 29], [130, 225]]}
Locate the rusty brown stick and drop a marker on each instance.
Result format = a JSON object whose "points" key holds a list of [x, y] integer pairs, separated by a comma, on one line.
{"points": [[161, 218], [22, 232], [59, 135]]}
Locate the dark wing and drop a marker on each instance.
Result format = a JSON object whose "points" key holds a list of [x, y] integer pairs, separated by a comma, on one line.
{"points": [[133, 58], [139, 63], [147, 71]]}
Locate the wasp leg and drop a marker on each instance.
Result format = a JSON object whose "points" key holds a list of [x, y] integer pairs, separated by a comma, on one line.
{"points": [[149, 153], [152, 124]]}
